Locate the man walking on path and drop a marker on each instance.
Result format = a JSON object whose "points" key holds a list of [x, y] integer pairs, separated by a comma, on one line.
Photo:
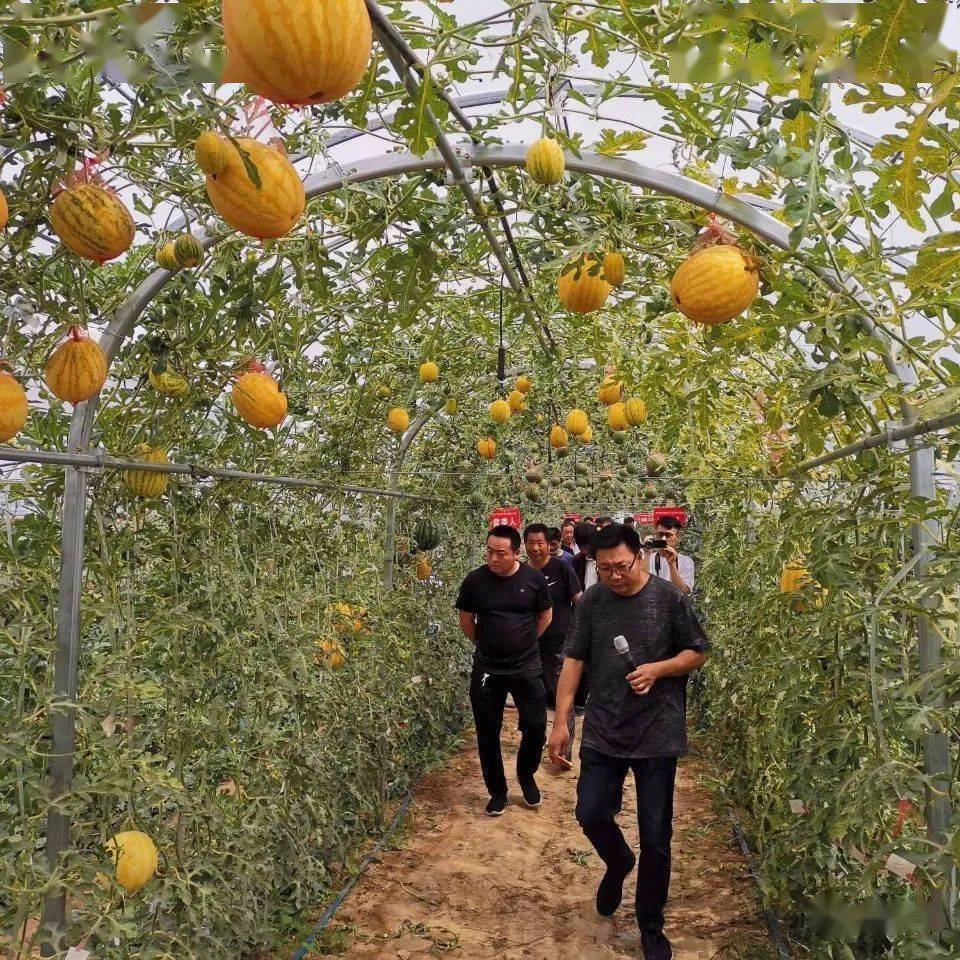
{"points": [[504, 608], [635, 719], [565, 590]]}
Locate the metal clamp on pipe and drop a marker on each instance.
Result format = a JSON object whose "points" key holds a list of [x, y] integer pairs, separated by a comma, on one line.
{"points": [[894, 444], [96, 469]]}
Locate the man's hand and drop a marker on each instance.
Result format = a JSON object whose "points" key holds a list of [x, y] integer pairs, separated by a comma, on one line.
{"points": [[559, 744], [643, 678], [669, 554]]}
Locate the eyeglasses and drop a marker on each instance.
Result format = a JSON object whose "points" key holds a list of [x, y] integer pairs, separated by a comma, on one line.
{"points": [[615, 569]]}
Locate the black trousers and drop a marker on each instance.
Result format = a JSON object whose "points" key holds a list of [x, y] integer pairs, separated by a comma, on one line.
{"points": [[552, 665], [488, 695], [599, 799]]}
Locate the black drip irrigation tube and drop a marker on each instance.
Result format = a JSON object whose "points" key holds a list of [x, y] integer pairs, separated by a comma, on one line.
{"points": [[773, 923], [331, 910]]}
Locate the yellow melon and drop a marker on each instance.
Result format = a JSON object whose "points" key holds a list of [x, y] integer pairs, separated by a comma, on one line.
{"points": [[92, 222], [617, 416], [582, 286], [135, 858], [147, 483], [258, 397], [715, 284], [523, 384], [429, 372], [13, 405], [212, 152], [517, 401], [167, 258], [635, 411], [614, 268], [270, 209], [587, 435], [558, 437], [545, 162], [500, 411], [398, 420], [77, 369], [4, 210], [424, 569], [609, 391], [487, 448], [577, 422], [296, 51], [451, 406]]}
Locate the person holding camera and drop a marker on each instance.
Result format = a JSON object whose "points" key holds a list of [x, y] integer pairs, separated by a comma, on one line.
{"points": [[636, 637], [662, 557]]}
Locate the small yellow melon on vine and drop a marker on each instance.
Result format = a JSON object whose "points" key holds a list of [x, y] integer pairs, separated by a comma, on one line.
{"points": [[429, 372], [582, 286], [135, 858], [558, 437], [13, 404], [617, 417], [636, 411], [451, 406], [577, 422], [718, 281], [500, 411], [398, 420], [609, 391], [265, 205], [4, 210], [523, 384], [166, 257], [212, 153], [165, 379], [77, 369], [187, 250], [147, 483], [517, 401], [90, 219], [587, 435], [296, 52], [258, 397], [545, 162], [423, 568], [614, 268], [487, 448]]}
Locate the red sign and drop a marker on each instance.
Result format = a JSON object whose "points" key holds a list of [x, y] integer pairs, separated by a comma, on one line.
{"points": [[575, 517], [644, 519], [510, 516], [678, 512]]}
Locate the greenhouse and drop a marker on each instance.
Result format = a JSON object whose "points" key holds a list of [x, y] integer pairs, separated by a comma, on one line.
{"points": [[303, 300]]}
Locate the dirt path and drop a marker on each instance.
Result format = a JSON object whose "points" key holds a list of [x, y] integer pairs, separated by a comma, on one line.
{"points": [[521, 887]]}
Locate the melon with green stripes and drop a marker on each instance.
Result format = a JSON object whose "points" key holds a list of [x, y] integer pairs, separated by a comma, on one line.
{"points": [[92, 222]]}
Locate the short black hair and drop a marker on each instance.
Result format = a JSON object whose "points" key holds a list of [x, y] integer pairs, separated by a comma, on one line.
{"points": [[554, 534], [629, 520], [505, 531], [605, 520], [615, 535], [671, 523], [567, 522], [532, 529], [583, 534]]}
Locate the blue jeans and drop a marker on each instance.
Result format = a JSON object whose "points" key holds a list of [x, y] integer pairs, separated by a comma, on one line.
{"points": [[599, 800]]}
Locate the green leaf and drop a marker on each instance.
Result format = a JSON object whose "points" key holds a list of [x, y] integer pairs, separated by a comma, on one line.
{"points": [[938, 262]]}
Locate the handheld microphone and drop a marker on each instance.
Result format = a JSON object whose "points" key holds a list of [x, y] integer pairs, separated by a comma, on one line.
{"points": [[623, 648]]}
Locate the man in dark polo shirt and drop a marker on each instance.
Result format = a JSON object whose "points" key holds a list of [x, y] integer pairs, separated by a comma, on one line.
{"points": [[635, 720], [504, 607]]}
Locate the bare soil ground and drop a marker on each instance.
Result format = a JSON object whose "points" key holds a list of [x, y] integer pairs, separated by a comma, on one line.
{"points": [[521, 887]]}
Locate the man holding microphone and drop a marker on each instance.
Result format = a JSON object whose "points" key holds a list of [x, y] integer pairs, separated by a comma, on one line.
{"points": [[636, 637]]}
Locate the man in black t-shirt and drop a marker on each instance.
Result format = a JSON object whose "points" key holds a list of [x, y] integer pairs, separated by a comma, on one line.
{"points": [[635, 719], [504, 607], [565, 591]]}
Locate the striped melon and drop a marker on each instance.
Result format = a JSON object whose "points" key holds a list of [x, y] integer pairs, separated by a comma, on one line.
{"points": [[147, 483], [167, 257], [258, 397], [614, 268], [617, 416], [487, 448], [636, 411], [187, 250], [517, 401], [523, 384], [269, 210], [135, 858], [77, 369], [545, 162], [577, 422], [558, 437], [92, 222], [582, 286], [212, 152], [500, 411], [13, 405], [296, 51]]}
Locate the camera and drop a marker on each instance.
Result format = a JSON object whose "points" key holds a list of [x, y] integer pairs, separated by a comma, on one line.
{"points": [[653, 543]]}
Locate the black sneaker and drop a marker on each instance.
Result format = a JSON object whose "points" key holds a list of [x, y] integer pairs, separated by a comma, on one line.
{"points": [[610, 891], [496, 806], [655, 945], [531, 794]]}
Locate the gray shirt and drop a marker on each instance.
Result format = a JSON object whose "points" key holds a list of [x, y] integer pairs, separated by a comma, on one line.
{"points": [[658, 623]]}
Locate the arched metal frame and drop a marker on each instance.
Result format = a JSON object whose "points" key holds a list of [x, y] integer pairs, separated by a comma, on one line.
{"points": [[758, 222]]}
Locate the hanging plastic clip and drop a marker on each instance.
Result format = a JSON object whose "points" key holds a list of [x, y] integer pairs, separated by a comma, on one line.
{"points": [[896, 446], [464, 152]]}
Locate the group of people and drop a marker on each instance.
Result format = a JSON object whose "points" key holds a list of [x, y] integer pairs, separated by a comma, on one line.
{"points": [[599, 621]]}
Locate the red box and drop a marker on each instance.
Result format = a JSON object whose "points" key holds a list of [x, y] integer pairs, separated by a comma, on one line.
{"points": [[510, 516], [660, 512]]}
